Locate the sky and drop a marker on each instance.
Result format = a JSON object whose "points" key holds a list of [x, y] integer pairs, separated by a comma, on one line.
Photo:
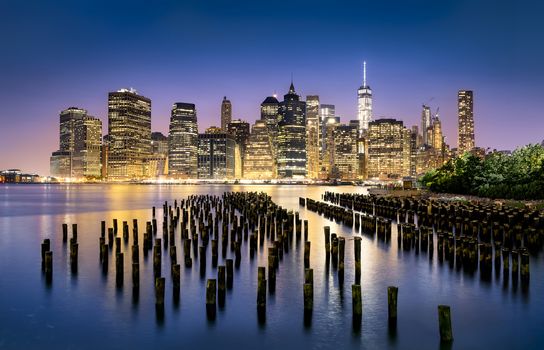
{"points": [[57, 54]]}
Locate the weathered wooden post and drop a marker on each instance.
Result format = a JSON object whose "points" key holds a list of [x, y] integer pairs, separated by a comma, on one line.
{"points": [[357, 304], [73, 255], [64, 233], [305, 230], [327, 230], [444, 323], [357, 250], [307, 254], [74, 232], [46, 246], [159, 290], [135, 274], [341, 251], [392, 293], [48, 266], [230, 273], [525, 267], [272, 270], [119, 267], [211, 286], [214, 253], [176, 271], [157, 258], [221, 284], [261, 289], [202, 255]]}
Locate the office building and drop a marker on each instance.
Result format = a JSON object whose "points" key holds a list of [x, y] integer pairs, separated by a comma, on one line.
{"points": [[259, 162], [226, 113], [183, 142], [216, 155], [292, 136], [465, 113], [313, 136], [364, 102], [129, 130]]}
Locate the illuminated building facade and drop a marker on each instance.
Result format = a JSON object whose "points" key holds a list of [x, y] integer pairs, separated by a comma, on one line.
{"points": [[86, 156], [364, 102], [259, 160], [80, 138], [388, 149], [313, 133], [327, 113], [292, 136], [270, 113], [345, 151], [129, 130], [466, 121], [157, 162], [183, 142], [216, 155], [226, 113], [240, 130], [425, 124]]}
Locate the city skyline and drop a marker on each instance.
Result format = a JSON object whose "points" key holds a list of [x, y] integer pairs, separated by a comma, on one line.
{"points": [[408, 65]]}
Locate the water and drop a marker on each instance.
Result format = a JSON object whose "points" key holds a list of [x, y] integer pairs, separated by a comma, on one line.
{"points": [[88, 311]]}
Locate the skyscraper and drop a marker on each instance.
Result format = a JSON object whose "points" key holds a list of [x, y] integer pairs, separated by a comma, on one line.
{"points": [[364, 99], [226, 113], [129, 130], [313, 133], [292, 136], [466, 121], [87, 142], [425, 124], [345, 151], [183, 141], [156, 163], [327, 113], [259, 163], [389, 149], [216, 155], [240, 130], [80, 139], [270, 114]]}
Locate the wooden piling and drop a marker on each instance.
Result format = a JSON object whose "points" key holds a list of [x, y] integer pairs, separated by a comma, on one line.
{"points": [[357, 300], [392, 293], [444, 323], [159, 290], [307, 254]]}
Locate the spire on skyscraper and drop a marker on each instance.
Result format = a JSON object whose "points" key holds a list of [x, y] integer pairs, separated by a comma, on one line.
{"points": [[364, 73]]}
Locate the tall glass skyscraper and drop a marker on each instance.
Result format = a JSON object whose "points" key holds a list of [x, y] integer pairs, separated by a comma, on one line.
{"points": [[259, 163], [364, 101], [80, 139], [183, 141], [270, 114], [292, 136], [226, 113], [216, 155], [313, 133], [466, 121], [129, 130], [425, 124]]}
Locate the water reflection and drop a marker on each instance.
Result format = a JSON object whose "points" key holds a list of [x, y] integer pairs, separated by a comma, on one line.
{"points": [[424, 280]]}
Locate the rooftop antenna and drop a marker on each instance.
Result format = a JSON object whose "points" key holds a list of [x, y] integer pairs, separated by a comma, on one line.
{"points": [[364, 73]]}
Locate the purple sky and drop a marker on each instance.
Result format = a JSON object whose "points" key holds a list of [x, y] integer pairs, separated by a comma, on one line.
{"points": [[63, 54]]}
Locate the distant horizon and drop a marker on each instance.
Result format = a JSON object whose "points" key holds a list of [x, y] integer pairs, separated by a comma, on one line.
{"points": [[197, 52]]}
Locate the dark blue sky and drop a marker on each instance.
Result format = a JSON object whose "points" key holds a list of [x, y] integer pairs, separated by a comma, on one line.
{"points": [[57, 54]]}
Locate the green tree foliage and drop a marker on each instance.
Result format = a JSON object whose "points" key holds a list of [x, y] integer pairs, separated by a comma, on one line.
{"points": [[516, 176]]}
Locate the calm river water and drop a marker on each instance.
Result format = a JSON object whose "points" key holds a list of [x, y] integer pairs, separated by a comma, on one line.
{"points": [[88, 311]]}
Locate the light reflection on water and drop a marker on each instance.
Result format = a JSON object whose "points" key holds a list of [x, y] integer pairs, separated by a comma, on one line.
{"points": [[88, 310]]}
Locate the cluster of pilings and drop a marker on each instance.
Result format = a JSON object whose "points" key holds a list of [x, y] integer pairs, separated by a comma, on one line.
{"points": [[469, 236], [236, 219]]}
